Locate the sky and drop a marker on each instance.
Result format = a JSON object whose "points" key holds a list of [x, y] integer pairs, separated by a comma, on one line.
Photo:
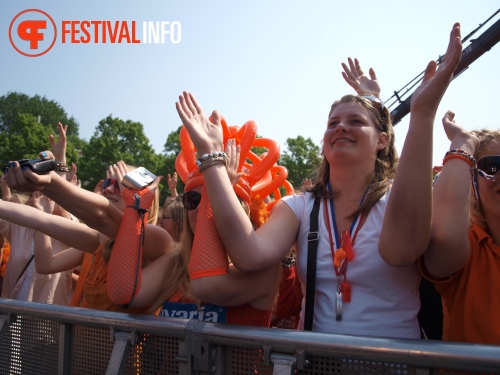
{"points": [[275, 62]]}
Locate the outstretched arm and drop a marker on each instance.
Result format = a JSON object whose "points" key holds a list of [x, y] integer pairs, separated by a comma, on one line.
{"points": [[449, 247], [355, 78], [248, 249], [67, 231], [406, 229], [93, 209]]}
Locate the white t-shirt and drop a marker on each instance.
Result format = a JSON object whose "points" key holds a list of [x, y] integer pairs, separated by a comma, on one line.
{"points": [[384, 299]]}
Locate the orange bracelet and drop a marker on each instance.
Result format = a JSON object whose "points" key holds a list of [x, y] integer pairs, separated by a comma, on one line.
{"points": [[459, 154]]}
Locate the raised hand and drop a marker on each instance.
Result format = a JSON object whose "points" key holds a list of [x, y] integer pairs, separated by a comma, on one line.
{"points": [[233, 160], [119, 170], [427, 96], [355, 78], [456, 134], [59, 147], [6, 193], [206, 136], [27, 180], [71, 176], [172, 184], [41, 202]]}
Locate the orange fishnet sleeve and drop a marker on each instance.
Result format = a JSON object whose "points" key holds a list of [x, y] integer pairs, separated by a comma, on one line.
{"points": [[124, 269], [208, 256]]}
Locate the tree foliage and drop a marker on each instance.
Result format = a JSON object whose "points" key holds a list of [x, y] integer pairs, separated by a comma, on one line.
{"points": [[301, 158], [50, 112], [114, 140], [25, 125]]}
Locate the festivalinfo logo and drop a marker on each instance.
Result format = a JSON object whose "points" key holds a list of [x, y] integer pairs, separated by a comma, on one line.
{"points": [[34, 32]]}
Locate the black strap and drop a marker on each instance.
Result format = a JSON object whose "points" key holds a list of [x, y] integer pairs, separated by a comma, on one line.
{"points": [[24, 269], [312, 252]]}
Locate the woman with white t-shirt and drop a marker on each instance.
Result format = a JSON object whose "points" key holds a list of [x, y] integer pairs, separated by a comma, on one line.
{"points": [[356, 292]]}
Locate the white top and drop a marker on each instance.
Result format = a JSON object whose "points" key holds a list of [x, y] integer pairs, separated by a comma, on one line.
{"points": [[384, 299], [21, 250], [53, 288]]}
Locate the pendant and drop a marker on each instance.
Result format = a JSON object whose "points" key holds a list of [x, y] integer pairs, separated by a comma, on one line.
{"points": [[338, 305], [347, 246], [339, 256], [345, 287]]}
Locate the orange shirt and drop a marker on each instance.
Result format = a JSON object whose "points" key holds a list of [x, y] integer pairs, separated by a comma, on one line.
{"points": [[471, 297], [5, 258]]}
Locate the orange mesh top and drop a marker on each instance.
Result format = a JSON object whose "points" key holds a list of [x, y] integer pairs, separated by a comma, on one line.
{"points": [[94, 290]]}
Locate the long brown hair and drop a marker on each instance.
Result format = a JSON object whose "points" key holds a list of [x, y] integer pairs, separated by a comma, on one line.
{"points": [[385, 161], [175, 209]]}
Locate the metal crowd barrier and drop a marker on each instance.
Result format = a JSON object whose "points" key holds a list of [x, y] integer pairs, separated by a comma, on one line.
{"points": [[48, 339]]}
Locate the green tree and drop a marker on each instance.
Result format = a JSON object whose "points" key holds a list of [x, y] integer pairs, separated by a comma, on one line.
{"points": [[50, 112], [25, 125], [301, 158], [27, 139], [114, 140]]}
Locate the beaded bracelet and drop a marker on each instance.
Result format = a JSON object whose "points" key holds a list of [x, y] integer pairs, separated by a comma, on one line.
{"points": [[459, 154], [61, 167], [211, 162], [213, 155]]}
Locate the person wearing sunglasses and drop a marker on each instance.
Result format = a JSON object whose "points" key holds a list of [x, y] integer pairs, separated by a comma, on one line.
{"points": [[200, 271], [463, 258], [371, 298], [172, 219]]}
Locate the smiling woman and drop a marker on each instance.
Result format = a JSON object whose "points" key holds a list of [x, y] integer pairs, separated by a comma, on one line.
{"points": [[344, 215]]}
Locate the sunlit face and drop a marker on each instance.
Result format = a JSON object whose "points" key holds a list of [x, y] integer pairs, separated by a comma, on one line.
{"points": [[114, 196], [489, 191], [351, 134], [193, 214]]}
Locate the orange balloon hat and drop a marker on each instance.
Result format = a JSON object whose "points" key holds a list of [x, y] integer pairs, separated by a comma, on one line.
{"points": [[260, 175]]}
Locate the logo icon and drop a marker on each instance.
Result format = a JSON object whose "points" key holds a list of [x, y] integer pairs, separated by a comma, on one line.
{"points": [[32, 32]]}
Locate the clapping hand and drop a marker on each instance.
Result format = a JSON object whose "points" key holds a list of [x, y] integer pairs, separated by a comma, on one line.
{"points": [[355, 78]]}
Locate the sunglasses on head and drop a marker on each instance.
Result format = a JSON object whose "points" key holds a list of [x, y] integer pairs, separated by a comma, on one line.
{"points": [[488, 167], [374, 99], [191, 200], [108, 182]]}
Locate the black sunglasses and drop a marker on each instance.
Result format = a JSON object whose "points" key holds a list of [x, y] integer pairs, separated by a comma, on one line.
{"points": [[191, 200], [488, 167], [107, 183]]}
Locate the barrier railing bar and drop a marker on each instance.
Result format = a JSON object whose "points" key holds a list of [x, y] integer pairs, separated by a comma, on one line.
{"points": [[120, 353], [65, 357], [417, 353]]}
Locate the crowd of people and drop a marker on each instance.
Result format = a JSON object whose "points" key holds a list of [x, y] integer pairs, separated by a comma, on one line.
{"points": [[345, 254]]}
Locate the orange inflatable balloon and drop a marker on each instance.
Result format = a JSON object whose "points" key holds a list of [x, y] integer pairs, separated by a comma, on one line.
{"points": [[260, 174]]}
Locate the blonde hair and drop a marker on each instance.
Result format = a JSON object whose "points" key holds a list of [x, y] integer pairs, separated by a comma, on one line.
{"points": [[176, 210], [177, 273], [476, 211], [385, 160]]}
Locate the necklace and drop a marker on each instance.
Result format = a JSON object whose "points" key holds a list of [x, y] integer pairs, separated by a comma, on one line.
{"points": [[344, 253]]}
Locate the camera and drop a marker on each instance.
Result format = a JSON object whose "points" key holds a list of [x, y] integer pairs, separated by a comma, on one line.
{"points": [[138, 179], [39, 166]]}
